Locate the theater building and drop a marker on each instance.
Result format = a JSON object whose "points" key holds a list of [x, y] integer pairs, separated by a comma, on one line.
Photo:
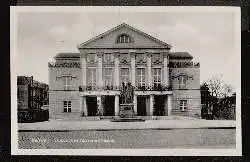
{"points": [[165, 83]]}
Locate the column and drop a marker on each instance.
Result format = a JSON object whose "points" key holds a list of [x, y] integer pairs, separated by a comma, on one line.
{"points": [[149, 69], [85, 109], [83, 105], [151, 105], [132, 56], [99, 78], [99, 105], [135, 104], [117, 70], [116, 105], [84, 69], [170, 98], [165, 69]]}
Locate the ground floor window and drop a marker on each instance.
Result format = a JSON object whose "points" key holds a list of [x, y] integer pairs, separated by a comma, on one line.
{"points": [[183, 105], [66, 106]]}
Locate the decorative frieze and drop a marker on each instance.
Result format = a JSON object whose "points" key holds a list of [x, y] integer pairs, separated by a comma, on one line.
{"points": [[140, 58], [124, 59], [91, 58], [188, 64], [157, 59], [65, 64]]}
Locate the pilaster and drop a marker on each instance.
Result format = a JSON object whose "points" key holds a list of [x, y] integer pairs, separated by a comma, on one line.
{"points": [[170, 98], [135, 104], [84, 69], [117, 69], [99, 78], [151, 105], [116, 105], [149, 68], [132, 56], [165, 69]]}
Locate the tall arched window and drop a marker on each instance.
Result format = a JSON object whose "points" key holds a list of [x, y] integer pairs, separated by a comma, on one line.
{"points": [[124, 38]]}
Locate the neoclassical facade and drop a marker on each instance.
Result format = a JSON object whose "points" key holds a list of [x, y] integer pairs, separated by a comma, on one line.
{"points": [[165, 83]]}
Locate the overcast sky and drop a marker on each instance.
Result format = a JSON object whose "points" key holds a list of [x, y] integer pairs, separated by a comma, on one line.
{"points": [[209, 37]]}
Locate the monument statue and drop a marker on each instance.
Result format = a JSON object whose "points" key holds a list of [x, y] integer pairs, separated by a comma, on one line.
{"points": [[127, 93]]}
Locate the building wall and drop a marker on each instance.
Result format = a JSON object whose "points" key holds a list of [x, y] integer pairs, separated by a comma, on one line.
{"points": [[57, 93], [56, 99], [31, 93], [191, 93], [23, 97]]}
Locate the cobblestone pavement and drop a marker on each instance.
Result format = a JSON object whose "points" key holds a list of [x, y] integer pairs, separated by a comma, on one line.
{"points": [[108, 125], [175, 138]]}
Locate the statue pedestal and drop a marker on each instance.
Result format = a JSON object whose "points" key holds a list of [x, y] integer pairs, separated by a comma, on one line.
{"points": [[127, 114], [127, 110]]}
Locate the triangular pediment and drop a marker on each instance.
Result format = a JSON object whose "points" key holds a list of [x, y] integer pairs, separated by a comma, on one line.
{"points": [[109, 38]]}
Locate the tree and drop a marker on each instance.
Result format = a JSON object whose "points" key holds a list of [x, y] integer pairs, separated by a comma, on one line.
{"points": [[206, 100], [215, 85], [219, 96]]}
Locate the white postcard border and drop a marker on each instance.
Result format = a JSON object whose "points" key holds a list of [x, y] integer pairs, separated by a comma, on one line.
{"points": [[14, 10]]}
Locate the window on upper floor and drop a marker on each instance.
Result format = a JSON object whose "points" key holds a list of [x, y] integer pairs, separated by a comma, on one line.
{"points": [[91, 79], [141, 77], [125, 75], [157, 77], [183, 105], [108, 76], [124, 38]]}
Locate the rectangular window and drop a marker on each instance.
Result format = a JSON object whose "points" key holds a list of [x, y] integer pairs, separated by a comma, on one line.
{"points": [[141, 78], [182, 82], [108, 76], [125, 75], [91, 79], [66, 106], [183, 105], [157, 76]]}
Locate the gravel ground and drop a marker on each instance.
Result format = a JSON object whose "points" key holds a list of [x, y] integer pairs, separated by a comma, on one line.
{"points": [[175, 138]]}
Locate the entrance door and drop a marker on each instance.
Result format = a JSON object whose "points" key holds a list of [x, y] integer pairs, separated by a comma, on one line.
{"points": [[141, 106], [109, 105], [159, 105], [92, 105]]}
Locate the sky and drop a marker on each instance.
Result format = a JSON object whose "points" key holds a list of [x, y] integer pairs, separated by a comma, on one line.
{"points": [[208, 36]]}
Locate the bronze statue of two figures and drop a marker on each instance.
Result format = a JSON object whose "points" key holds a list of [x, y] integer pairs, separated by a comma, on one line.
{"points": [[126, 113], [127, 94], [126, 101]]}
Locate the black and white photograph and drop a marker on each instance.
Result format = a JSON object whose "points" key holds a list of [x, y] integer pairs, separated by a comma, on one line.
{"points": [[125, 81]]}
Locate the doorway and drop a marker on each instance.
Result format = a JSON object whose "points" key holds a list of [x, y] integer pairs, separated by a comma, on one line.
{"points": [[159, 105], [141, 106], [92, 105], [109, 105]]}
